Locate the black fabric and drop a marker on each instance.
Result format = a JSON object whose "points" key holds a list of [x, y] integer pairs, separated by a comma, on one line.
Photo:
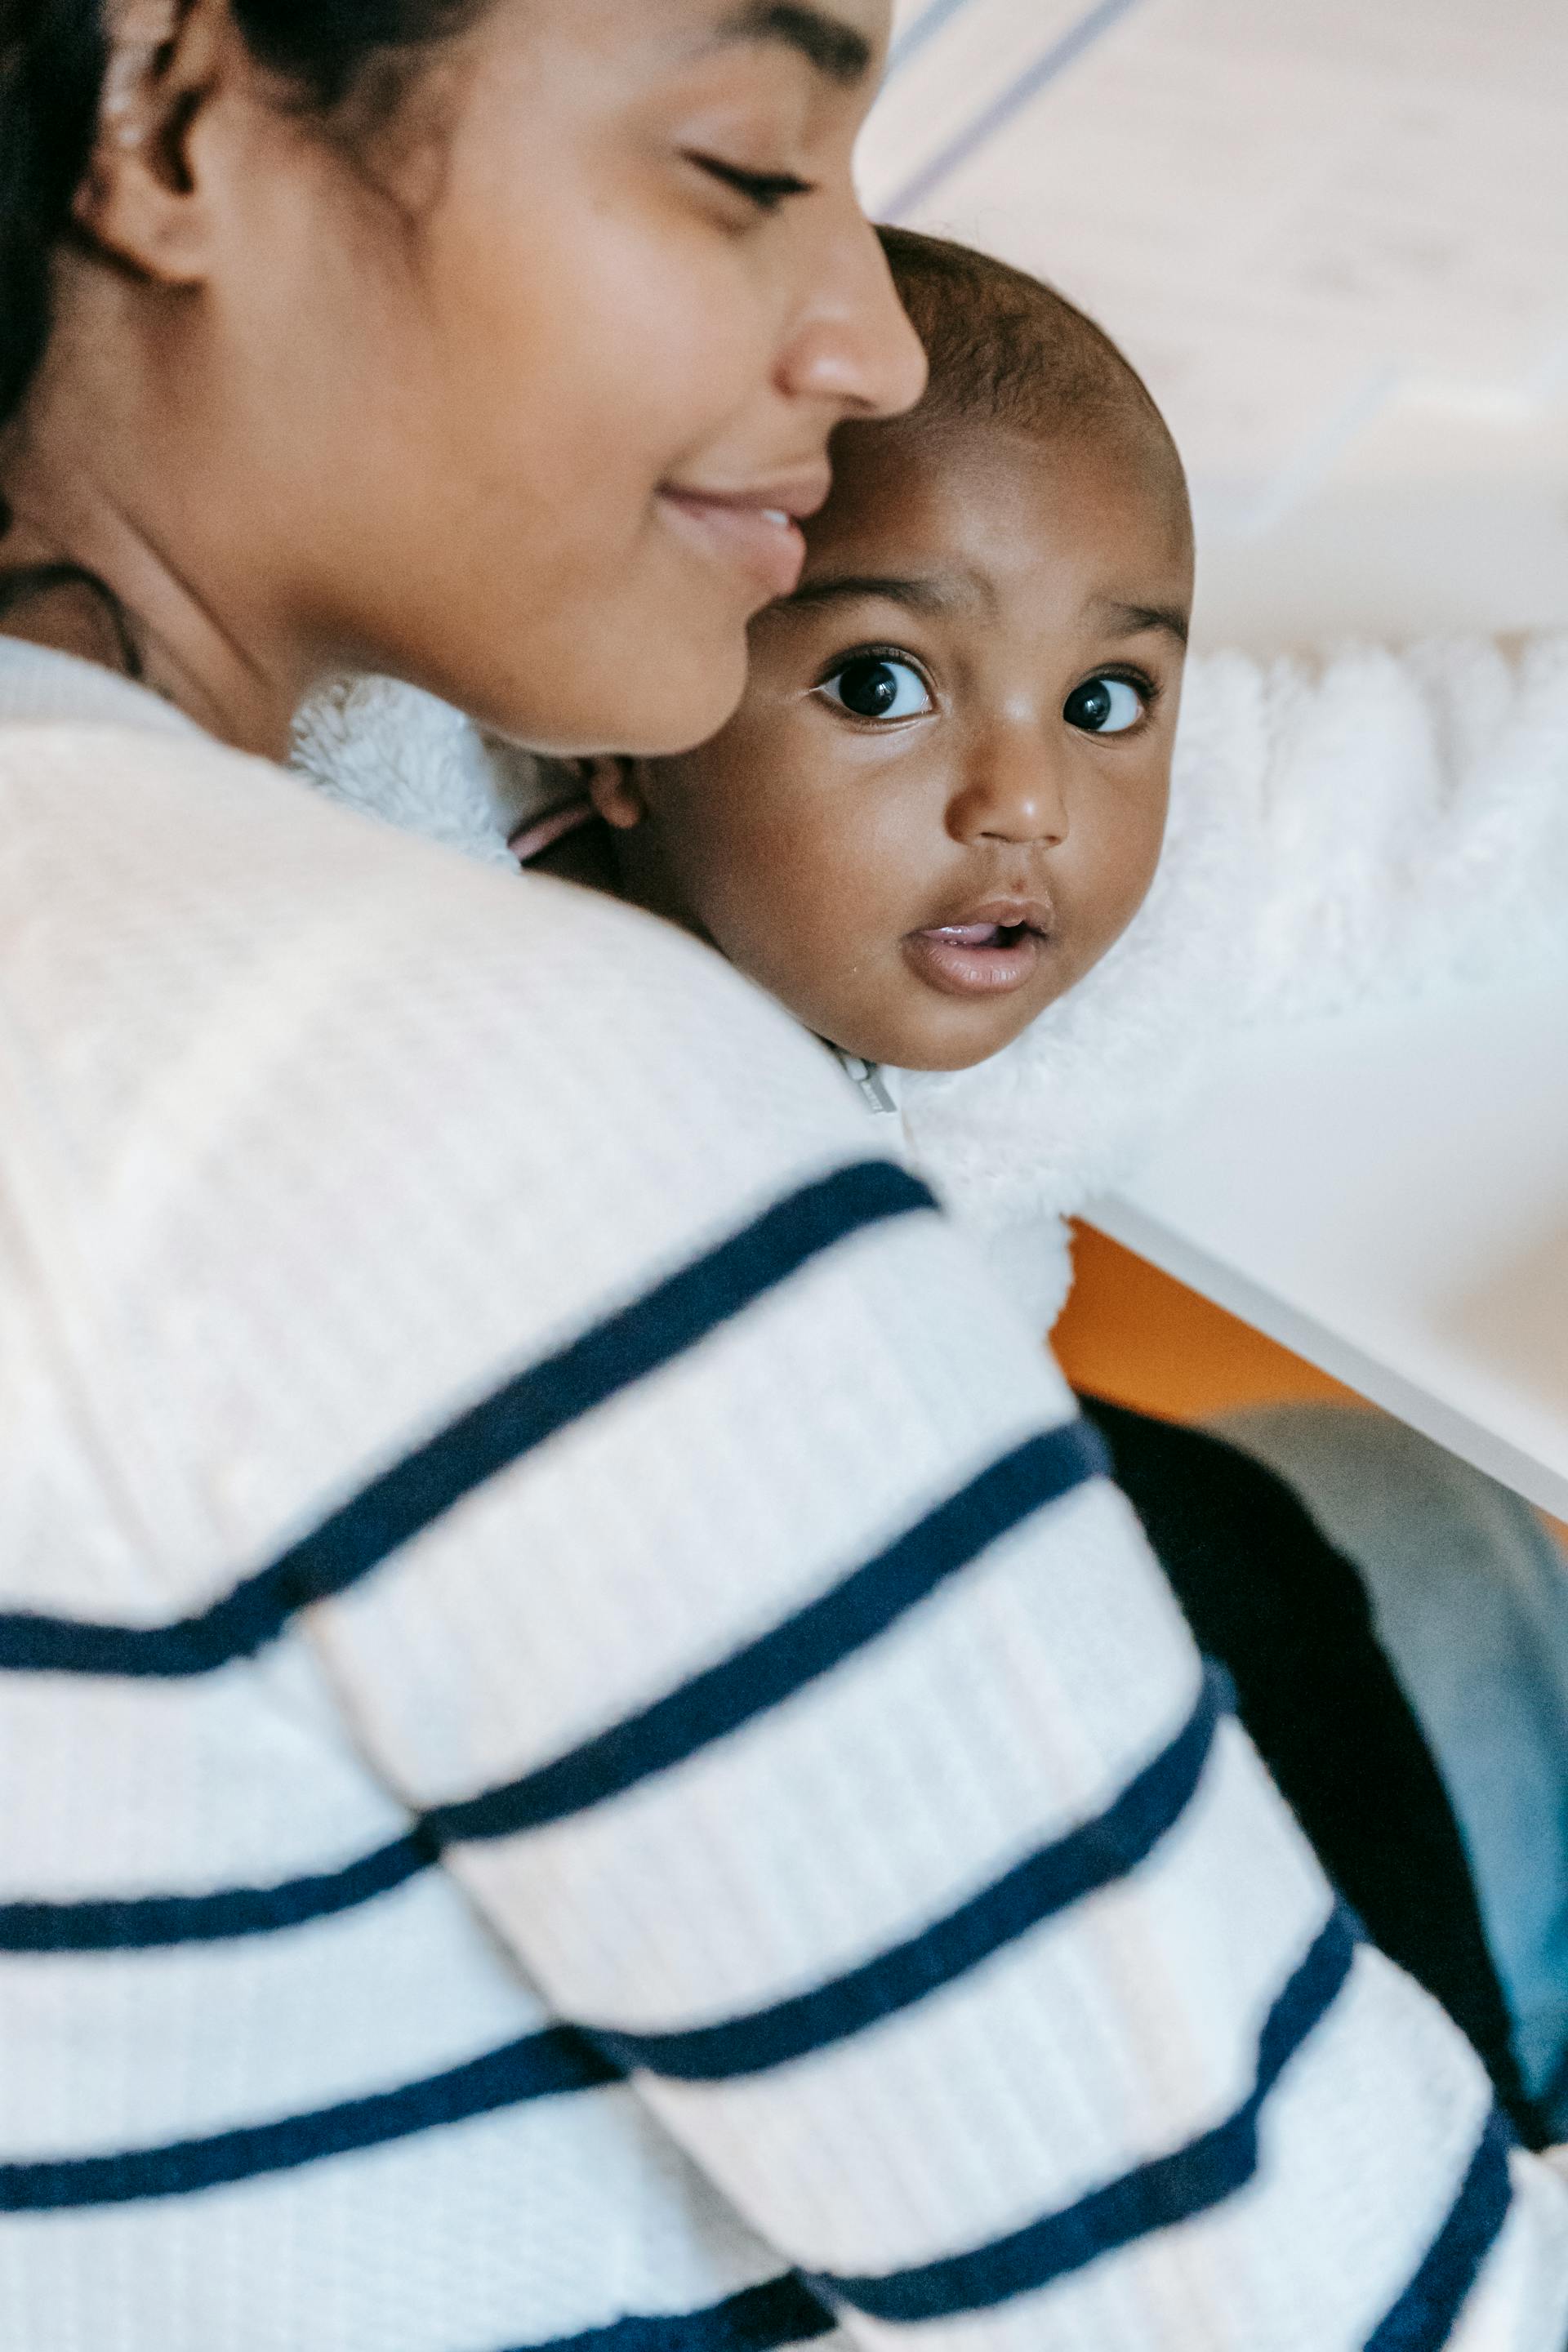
{"points": [[1270, 1599]]}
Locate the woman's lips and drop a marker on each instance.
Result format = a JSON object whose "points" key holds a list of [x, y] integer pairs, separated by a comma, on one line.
{"points": [[757, 537], [990, 955]]}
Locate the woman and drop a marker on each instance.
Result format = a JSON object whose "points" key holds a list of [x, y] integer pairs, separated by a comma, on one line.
{"points": [[589, 1758]]}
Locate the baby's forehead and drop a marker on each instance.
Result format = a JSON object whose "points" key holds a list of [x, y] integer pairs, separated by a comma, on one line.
{"points": [[1099, 488]]}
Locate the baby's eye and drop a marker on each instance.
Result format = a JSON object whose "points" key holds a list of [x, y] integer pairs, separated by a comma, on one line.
{"points": [[874, 686], [1105, 706]]}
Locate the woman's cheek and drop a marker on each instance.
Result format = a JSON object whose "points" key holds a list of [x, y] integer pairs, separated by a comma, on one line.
{"points": [[698, 358]]}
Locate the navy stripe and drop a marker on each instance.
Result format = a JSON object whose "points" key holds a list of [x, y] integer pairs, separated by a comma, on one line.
{"points": [[1094, 1855], [491, 1436], [758, 2319], [145, 1922], [714, 1701], [539, 2066], [967, 144], [784, 1661], [1429, 2310], [1156, 2196]]}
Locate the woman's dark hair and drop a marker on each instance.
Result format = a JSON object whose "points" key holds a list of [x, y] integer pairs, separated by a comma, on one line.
{"points": [[53, 58], [53, 55]]}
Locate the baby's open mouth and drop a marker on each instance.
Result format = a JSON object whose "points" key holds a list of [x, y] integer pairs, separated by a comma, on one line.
{"points": [[995, 952]]}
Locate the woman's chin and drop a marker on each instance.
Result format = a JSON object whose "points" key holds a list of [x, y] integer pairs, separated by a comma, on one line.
{"points": [[694, 697], [677, 705]]}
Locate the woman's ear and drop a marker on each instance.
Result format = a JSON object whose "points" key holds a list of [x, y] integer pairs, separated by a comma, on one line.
{"points": [[142, 199], [615, 788]]}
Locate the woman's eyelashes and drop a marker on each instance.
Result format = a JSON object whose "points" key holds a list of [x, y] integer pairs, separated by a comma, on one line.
{"points": [[767, 191], [878, 687], [1113, 702]]}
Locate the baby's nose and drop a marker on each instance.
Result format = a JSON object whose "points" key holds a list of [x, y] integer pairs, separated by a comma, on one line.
{"points": [[1011, 795]]}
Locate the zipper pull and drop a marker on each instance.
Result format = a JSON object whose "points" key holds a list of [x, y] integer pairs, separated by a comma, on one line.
{"points": [[869, 1083]]}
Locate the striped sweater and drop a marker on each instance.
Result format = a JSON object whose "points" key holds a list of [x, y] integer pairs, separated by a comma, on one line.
{"points": [[590, 1759]]}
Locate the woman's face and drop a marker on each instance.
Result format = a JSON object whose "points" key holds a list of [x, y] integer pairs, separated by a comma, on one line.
{"points": [[539, 383]]}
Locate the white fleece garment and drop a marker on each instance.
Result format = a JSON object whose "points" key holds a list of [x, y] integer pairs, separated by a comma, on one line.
{"points": [[1361, 828]]}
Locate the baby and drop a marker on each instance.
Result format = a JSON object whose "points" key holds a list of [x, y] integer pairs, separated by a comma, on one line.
{"points": [[928, 832], [944, 797], [942, 804]]}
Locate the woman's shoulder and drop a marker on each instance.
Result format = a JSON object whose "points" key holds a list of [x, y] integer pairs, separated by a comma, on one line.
{"points": [[405, 1119], [126, 832]]}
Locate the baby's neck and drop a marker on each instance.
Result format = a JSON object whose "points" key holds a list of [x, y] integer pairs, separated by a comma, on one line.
{"points": [[594, 856], [586, 857]]}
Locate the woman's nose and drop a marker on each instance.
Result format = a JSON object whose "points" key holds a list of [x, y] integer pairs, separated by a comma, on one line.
{"points": [[1010, 793], [853, 348]]}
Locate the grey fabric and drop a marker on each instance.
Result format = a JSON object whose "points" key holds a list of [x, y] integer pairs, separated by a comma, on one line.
{"points": [[1469, 1591]]}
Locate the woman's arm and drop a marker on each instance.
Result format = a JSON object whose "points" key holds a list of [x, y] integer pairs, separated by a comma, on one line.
{"points": [[873, 1808]]}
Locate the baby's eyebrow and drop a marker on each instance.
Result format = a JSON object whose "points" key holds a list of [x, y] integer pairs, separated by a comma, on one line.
{"points": [[1137, 620], [917, 595]]}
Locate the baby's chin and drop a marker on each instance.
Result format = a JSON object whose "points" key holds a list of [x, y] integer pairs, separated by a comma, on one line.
{"points": [[956, 997], [907, 1010], [923, 1037]]}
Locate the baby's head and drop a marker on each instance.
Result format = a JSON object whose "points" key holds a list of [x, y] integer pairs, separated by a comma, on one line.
{"points": [[944, 797]]}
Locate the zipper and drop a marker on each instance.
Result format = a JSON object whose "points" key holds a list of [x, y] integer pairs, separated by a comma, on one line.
{"points": [[867, 1080]]}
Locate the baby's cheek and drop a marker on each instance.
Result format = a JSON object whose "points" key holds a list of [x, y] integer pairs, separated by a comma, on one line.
{"points": [[1111, 878], [1135, 883], [775, 930]]}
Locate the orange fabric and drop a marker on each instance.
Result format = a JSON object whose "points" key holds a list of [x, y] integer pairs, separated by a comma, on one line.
{"points": [[1131, 1334], [1136, 1337]]}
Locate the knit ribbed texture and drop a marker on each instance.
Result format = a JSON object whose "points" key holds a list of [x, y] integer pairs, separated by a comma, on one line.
{"points": [[589, 1757]]}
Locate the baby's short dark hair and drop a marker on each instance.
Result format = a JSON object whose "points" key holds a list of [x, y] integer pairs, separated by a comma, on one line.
{"points": [[1009, 350]]}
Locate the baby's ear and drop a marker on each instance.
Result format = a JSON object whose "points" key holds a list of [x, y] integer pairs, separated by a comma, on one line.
{"points": [[614, 787]]}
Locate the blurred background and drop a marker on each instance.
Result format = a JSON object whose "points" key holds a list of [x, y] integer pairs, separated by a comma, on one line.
{"points": [[1335, 238]]}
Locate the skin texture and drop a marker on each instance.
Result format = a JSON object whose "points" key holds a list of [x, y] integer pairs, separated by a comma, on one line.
{"points": [[813, 846], [422, 401]]}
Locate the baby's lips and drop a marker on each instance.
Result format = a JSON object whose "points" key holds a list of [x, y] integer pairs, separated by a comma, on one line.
{"points": [[979, 926], [964, 935], [974, 959]]}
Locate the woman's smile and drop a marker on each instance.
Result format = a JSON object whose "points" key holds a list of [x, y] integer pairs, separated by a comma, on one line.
{"points": [[756, 531]]}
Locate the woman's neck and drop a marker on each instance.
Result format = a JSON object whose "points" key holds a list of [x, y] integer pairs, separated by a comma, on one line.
{"points": [[82, 574]]}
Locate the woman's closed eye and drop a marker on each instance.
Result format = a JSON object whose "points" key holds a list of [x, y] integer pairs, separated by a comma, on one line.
{"points": [[878, 687], [1109, 704], [768, 191]]}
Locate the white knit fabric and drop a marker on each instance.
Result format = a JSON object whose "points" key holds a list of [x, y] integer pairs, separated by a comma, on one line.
{"points": [[716, 1613]]}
